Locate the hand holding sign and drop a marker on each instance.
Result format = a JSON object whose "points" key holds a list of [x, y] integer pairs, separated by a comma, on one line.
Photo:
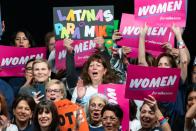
{"points": [[116, 35], [100, 41], [126, 50], [68, 44]]}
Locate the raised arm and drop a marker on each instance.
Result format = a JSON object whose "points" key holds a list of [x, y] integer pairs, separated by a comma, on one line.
{"points": [[151, 101], [141, 49], [183, 52]]}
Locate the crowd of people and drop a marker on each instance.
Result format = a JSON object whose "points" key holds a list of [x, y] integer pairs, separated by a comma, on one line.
{"points": [[29, 103]]}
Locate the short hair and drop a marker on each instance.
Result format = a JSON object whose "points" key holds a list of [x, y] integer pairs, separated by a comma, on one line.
{"points": [[114, 108], [58, 82], [101, 96], [49, 106], [41, 61], [30, 101]]}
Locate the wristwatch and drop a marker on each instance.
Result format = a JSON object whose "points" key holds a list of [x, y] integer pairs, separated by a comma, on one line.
{"points": [[181, 44]]}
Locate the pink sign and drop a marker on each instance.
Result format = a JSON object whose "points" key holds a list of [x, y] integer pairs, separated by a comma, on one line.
{"points": [[115, 94], [82, 48], [13, 59], [162, 83], [155, 37], [161, 12]]}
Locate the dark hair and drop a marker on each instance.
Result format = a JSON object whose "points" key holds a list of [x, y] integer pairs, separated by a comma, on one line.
{"points": [[109, 77], [29, 61], [49, 106], [27, 34], [170, 58], [114, 108], [48, 36], [133, 110], [4, 109], [30, 101], [191, 88], [150, 59]]}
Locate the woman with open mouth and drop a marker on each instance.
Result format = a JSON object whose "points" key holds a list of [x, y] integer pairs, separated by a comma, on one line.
{"points": [[96, 71], [94, 107], [151, 117]]}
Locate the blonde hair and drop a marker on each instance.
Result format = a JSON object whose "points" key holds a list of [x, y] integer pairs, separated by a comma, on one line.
{"points": [[41, 61], [57, 82]]}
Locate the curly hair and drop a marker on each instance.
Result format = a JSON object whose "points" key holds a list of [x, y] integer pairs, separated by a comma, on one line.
{"points": [[109, 77]]}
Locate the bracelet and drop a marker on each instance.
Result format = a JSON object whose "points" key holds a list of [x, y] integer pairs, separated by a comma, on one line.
{"points": [[163, 121], [162, 118], [181, 44]]}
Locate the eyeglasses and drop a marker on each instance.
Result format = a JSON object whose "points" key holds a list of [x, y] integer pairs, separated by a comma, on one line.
{"points": [[94, 106], [111, 118], [53, 90], [28, 68]]}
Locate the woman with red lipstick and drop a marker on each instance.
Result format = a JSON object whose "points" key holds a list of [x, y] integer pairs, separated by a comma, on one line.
{"points": [[94, 107], [46, 117], [96, 71]]}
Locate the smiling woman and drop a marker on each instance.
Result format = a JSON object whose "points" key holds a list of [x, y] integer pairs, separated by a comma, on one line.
{"points": [[46, 116], [23, 107], [41, 73]]}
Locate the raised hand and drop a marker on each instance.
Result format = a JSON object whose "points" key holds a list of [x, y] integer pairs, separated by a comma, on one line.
{"points": [[68, 44], [81, 89], [116, 35]]}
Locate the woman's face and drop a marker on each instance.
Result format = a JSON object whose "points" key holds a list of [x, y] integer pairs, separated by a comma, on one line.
{"points": [[45, 118], [95, 106], [96, 71], [41, 72], [21, 40], [147, 117], [22, 112], [191, 99], [194, 75], [164, 62], [54, 93], [28, 70], [110, 121], [51, 44]]}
